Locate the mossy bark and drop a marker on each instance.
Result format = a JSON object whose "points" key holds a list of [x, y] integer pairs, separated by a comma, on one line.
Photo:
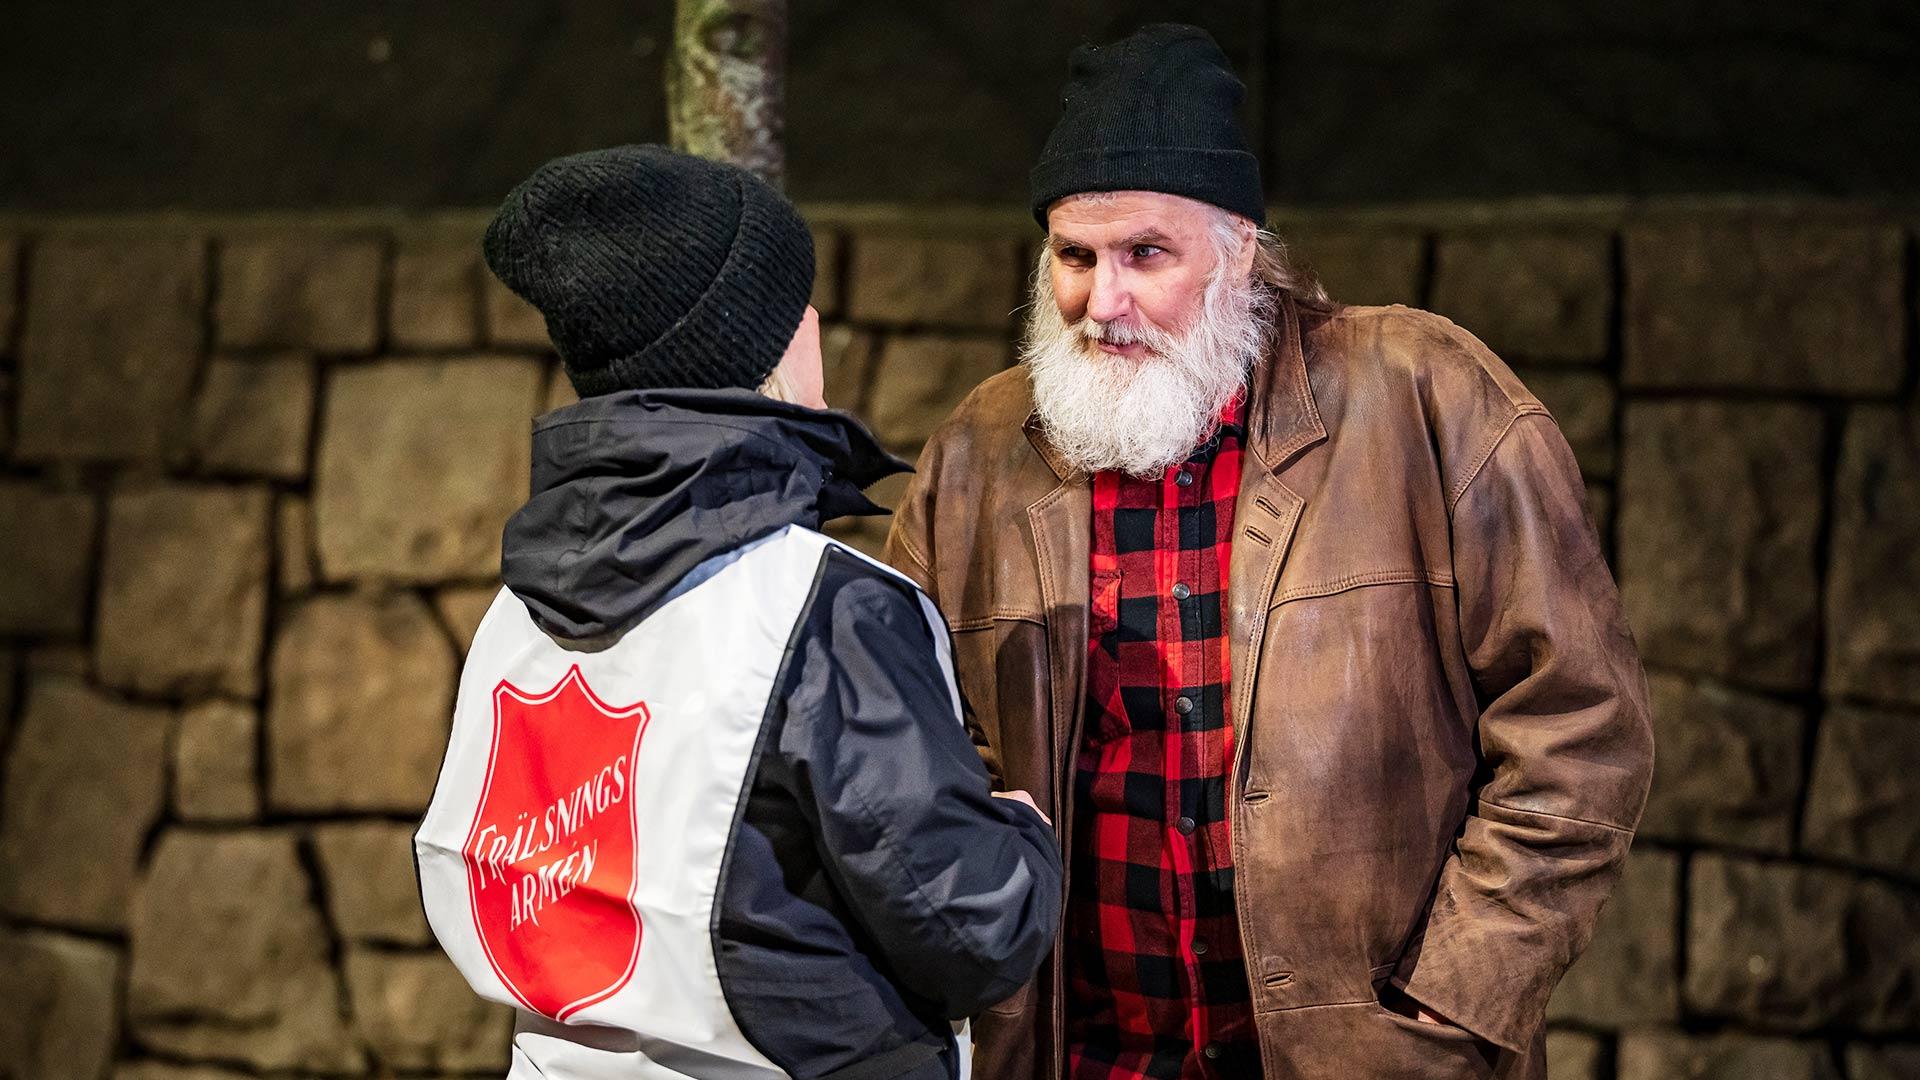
{"points": [[725, 82]]}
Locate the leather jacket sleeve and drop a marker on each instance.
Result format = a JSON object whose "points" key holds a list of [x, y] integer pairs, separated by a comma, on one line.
{"points": [[1564, 737]]}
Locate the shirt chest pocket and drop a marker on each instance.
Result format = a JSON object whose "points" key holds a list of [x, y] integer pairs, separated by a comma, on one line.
{"points": [[1106, 718]]}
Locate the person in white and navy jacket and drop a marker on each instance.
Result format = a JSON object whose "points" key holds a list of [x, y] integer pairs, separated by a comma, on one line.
{"points": [[708, 808]]}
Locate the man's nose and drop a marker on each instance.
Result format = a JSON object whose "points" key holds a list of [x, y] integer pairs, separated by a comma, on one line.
{"points": [[1110, 298]]}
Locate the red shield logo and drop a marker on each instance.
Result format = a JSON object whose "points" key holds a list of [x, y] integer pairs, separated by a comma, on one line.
{"points": [[552, 854]]}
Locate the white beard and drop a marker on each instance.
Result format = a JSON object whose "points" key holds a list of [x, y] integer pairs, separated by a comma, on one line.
{"points": [[1141, 416]]}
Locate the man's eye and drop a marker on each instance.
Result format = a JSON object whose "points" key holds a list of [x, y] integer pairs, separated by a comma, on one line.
{"points": [[1075, 256], [1145, 251]]}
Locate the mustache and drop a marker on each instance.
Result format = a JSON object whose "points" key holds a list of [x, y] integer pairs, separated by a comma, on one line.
{"points": [[1156, 341]]}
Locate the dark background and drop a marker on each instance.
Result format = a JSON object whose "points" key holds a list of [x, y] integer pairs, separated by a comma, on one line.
{"points": [[226, 104]]}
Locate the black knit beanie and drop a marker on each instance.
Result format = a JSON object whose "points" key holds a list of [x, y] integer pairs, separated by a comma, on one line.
{"points": [[1154, 112], [655, 269]]}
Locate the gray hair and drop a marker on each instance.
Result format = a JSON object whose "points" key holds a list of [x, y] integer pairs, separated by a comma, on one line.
{"points": [[1273, 264], [778, 385]]}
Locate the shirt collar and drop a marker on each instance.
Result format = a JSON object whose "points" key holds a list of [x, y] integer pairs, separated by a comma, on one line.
{"points": [[1232, 425]]}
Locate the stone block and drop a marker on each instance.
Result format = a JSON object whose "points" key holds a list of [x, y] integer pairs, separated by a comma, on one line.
{"points": [[230, 958], [1630, 973], [372, 892], [1582, 403], [920, 380], [294, 558], [1572, 1055], [7, 396], [847, 356], [1360, 266], [111, 345], [183, 593], [1755, 304], [316, 291], [512, 323], [254, 417], [62, 1019], [828, 250], [216, 763], [914, 280], [10, 666], [421, 463], [888, 492], [417, 1012], [9, 290], [72, 660], [1538, 294], [560, 391], [85, 782], [1863, 803], [860, 534], [1800, 948], [1718, 519], [160, 1070], [48, 538], [436, 293], [362, 694], [1728, 767], [1663, 1055], [1894, 1062], [1873, 631], [461, 608]]}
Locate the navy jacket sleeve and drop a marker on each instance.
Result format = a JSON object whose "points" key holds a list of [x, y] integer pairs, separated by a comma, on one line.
{"points": [[961, 891]]}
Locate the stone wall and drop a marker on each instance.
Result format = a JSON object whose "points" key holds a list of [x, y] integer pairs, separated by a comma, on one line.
{"points": [[252, 474]]}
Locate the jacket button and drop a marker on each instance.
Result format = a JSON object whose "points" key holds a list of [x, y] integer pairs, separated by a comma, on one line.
{"points": [[1199, 946], [1212, 1050], [1183, 478], [1185, 825], [1183, 704], [1181, 592]]}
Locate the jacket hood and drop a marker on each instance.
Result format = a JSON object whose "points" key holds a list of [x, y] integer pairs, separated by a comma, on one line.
{"points": [[632, 490]]}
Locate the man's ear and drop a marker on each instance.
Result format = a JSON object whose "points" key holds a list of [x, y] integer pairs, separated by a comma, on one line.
{"points": [[1249, 244]]}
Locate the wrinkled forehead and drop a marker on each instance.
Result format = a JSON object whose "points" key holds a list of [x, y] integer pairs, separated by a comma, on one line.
{"points": [[1100, 219]]}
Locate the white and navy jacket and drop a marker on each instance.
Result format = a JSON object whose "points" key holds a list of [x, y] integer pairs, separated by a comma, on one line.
{"points": [[708, 808]]}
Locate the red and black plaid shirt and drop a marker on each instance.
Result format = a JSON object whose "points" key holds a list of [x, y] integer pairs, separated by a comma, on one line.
{"points": [[1157, 985]]}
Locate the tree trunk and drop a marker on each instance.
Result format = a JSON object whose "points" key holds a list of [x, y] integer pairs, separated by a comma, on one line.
{"points": [[725, 82]]}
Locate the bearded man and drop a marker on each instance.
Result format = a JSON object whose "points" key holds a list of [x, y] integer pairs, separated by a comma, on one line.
{"points": [[1291, 616]]}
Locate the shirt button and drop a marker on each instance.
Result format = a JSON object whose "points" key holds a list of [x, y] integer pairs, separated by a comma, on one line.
{"points": [[1183, 704], [1212, 1050], [1185, 825], [1181, 592], [1183, 478], [1199, 946]]}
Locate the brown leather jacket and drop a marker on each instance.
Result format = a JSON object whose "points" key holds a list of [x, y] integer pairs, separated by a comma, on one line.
{"points": [[1441, 722]]}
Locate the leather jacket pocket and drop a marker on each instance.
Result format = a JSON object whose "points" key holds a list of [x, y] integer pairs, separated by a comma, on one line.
{"points": [[1403, 1011]]}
